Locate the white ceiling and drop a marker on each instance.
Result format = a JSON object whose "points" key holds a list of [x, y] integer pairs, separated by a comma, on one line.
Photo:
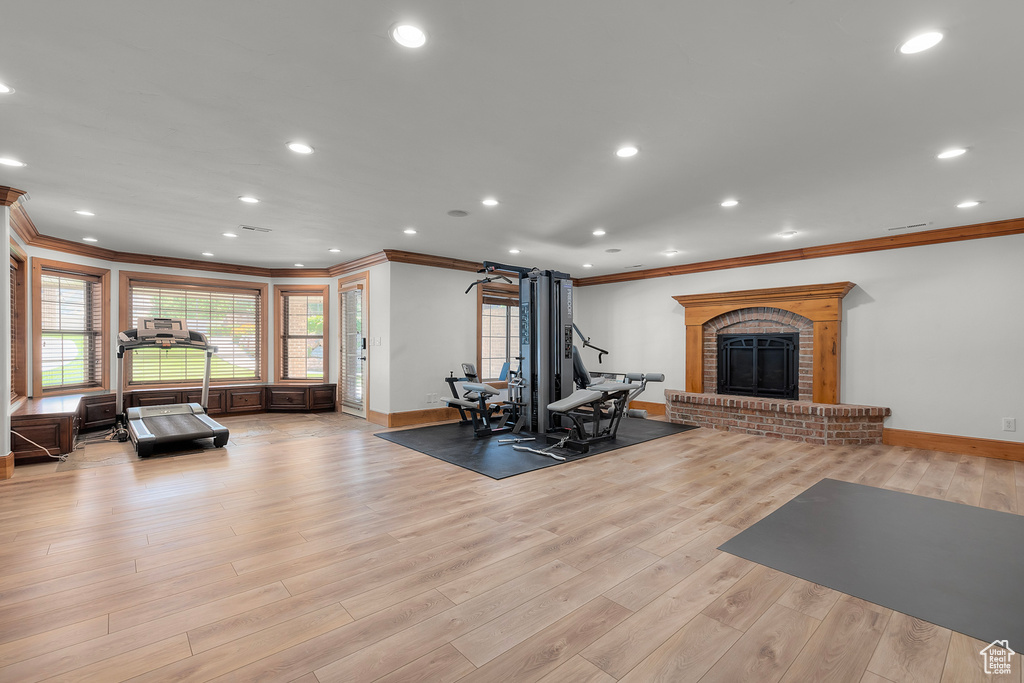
{"points": [[158, 115]]}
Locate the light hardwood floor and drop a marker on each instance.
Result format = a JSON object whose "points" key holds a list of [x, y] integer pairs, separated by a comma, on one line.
{"points": [[311, 551]]}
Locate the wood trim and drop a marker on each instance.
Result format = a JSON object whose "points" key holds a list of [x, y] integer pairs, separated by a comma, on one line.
{"points": [[357, 264], [7, 466], [9, 195], [279, 292], [360, 281], [771, 295], [377, 418], [22, 225], [398, 256], [968, 445], [1013, 226], [418, 417], [124, 305], [38, 265], [655, 409]]}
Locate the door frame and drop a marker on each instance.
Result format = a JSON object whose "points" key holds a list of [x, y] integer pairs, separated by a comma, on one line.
{"points": [[358, 280]]}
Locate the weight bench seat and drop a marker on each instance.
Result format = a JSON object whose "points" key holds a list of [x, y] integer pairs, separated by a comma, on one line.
{"points": [[462, 402], [580, 397], [485, 389]]}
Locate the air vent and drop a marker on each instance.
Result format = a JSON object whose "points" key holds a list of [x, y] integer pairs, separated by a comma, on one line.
{"points": [[908, 227], [253, 228], [458, 213]]}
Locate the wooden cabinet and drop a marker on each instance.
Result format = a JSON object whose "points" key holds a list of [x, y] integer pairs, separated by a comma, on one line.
{"points": [[97, 411], [154, 398], [322, 397], [54, 431], [287, 398], [244, 399], [214, 402]]}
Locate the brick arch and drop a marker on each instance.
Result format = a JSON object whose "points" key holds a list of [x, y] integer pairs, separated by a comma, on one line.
{"points": [[760, 320]]}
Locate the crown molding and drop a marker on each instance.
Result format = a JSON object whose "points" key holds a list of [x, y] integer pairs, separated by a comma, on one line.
{"points": [[1013, 226], [9, 195]]}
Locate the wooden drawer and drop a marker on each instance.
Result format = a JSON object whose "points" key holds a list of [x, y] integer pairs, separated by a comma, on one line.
{"points": [[155, 398], [322, 397], [215, 404], [286, 398], [248, 399], [98, 411], [53, 432]]}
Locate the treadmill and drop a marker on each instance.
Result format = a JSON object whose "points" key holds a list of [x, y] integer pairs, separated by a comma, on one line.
{"points": [[148, 426]]}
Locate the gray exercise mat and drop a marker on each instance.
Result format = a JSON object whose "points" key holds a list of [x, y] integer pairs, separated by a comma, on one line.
{"points": [[956, 566]]}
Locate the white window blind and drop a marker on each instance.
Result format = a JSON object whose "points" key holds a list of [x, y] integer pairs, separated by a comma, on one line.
{"points": [[230, 318], [302, 337], [71, 321], [352, 348], [15, 265]]}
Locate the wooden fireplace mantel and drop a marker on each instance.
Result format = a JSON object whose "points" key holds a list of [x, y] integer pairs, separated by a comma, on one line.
{"points": [[821, 304]]}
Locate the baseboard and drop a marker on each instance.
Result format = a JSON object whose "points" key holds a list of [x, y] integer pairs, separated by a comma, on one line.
{"points": [[7, 466], [418, 417], [987, 448], [653, 409], [377, 418]]}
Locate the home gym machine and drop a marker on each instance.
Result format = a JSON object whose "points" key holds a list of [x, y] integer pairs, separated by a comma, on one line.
{"points": [[148, 426], [550, 366]]}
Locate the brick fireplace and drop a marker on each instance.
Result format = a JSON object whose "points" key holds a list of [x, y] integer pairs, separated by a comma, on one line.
{"points": [[814, 313]]}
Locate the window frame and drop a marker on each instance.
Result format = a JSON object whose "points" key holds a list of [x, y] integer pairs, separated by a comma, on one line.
{"points": [[127, 278], [280, 292], [103, 276], [19, 321], [502, 290]]}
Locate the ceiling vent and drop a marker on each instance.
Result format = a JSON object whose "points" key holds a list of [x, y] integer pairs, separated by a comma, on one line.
{"points": [[253, 228], [907, 227], [458, 213]]}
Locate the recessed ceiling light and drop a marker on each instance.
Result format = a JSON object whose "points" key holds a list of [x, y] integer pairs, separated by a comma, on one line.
{"points": [[599, 232], [229, 234], [299, 265], [11, 162], [671, 252], [588, 265], [410, 231], [788, 234], [490, 201], [513, 251], [249, 200], [6, 89], [920, 43], [408, 35], [950, 153], [206, 253], [967, 204], [627, 151], [334, 251], [89, 239], [300, 148], [83, 212], [730, 202]]}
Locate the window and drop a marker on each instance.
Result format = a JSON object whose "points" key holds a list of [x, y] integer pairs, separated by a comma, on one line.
{"points": [[498, 323], [230, 313], [18, 318], [70, 323], [300, 317]]}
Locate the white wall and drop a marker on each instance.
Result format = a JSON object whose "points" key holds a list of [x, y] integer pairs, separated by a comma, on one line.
{"points": [[433, 331], [934, 332]]}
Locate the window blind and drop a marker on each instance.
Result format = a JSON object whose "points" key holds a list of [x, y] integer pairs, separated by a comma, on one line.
{"points": [[302, 336], [14, 329], [230, 318], [71, 318], [352, 348]]}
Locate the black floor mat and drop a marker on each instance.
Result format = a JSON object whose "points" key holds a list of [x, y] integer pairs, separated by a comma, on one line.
{"points": [[953, 565], [456, 444]]}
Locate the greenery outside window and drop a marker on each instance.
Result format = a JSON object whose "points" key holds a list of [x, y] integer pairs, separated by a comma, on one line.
{"points": [[300, 317]]}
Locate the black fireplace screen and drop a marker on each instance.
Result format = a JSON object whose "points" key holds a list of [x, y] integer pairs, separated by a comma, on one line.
{"points": [[758, 365]]}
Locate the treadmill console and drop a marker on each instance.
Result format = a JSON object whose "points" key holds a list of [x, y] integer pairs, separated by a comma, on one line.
{"points": [[162, 328]]}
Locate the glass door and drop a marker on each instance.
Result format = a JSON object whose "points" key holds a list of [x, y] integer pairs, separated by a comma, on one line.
{"points": [[354, 359]]}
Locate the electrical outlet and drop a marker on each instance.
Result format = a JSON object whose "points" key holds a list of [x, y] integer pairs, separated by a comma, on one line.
{"points": [[1009, 424]]}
